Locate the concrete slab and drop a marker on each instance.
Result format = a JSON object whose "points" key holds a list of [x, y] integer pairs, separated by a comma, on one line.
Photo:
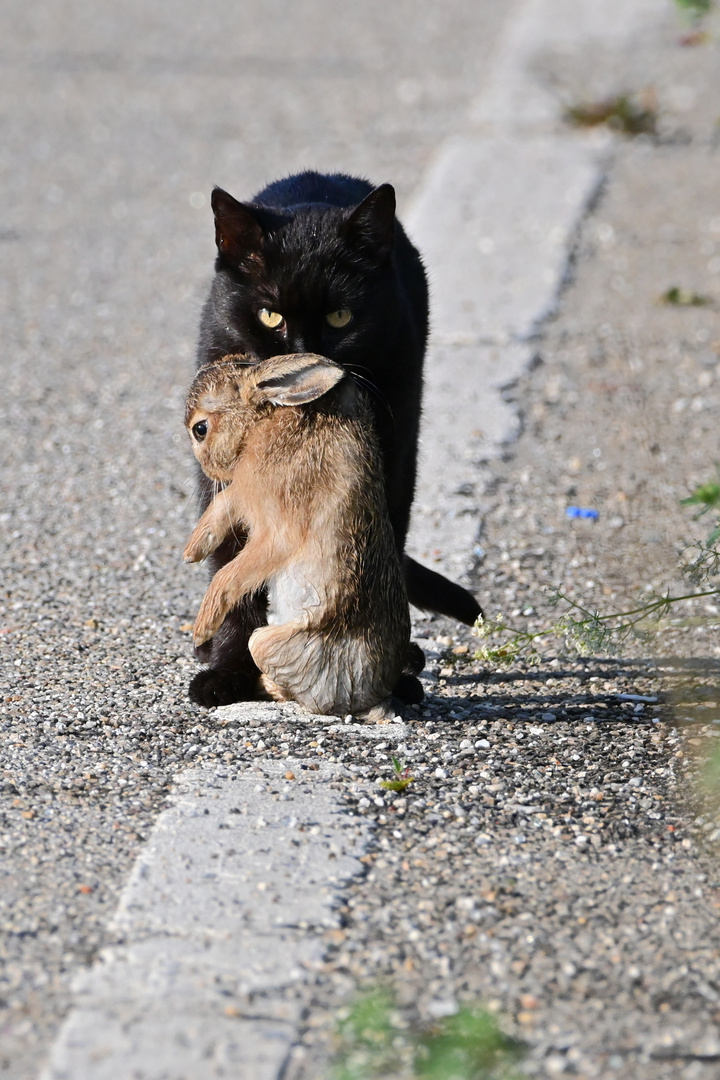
{"points": [[221, 919], [523, 90], [466, 422], [495, 220], [498, 246]]}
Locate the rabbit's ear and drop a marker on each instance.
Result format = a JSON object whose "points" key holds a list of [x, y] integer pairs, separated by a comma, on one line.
{"points": [[300, 383]]}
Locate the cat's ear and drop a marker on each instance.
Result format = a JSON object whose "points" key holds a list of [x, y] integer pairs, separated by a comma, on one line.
{"points": [[238, 234], [370, 229], [296, 380]]}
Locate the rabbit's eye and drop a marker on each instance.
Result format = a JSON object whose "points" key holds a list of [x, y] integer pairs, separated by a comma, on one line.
{"points": [[272, 319], [340, 318], [200, 430]]}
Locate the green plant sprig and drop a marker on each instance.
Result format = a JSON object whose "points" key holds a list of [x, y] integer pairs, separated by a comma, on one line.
{"points": [[372, 1042], [402, 777], [591, 632], [695, 9], [707, 497]]}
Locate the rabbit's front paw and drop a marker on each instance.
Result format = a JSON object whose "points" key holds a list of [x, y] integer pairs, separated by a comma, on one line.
{"points": [[199, 546], [213, 609]]}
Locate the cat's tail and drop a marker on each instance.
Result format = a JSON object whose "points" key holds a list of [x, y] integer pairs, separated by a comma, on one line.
{"points": [[431, 591]]}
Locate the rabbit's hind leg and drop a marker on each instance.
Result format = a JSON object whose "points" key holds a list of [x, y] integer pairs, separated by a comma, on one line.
{"points": [[269, 647]]}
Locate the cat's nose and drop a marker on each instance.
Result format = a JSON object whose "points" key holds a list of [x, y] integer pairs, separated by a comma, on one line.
{"points": [[297, 343]]}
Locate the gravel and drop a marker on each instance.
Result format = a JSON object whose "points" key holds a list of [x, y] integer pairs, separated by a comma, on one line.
{"points": [[544, 861], [555, 856], [552, 857], [115, 129]]}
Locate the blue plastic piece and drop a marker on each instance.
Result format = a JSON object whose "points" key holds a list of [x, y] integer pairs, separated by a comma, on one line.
{"points": [[582, 512]]}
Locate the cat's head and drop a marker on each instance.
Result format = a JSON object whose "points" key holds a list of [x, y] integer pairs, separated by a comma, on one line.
{"points": [[313, 278]]}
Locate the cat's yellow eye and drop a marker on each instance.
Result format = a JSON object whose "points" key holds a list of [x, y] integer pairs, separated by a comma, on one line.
{"points": [[338, 319], [271, 319]]}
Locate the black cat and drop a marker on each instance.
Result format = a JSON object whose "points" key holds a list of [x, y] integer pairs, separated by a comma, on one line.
{"points": [[319, 264]]}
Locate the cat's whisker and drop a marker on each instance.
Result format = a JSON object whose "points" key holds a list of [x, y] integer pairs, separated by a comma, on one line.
{"points": [[372, 389], [355, 368], [238, 539], [234, 361], [192, 488]]}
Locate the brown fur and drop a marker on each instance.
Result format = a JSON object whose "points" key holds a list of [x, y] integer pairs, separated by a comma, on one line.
{"points": [[293, 438]]}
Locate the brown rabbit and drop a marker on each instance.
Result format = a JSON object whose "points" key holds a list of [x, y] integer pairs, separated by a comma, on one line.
{"points": [[293, 438]]}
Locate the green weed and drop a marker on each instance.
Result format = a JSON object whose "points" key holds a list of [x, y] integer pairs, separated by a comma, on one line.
{"points": [[621, 113], [370, 1044], [710, 778], [707, 497], [584, 630], [695, 9], [374, 1043], [679, 297], [402, 777], [467, 1046]]}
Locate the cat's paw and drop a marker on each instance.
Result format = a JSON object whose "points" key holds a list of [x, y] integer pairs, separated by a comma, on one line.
{"points": [[415, 659], [408, 690], [211, 687]]}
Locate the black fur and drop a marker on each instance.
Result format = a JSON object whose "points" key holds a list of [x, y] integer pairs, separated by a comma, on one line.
{"points": [[304, 247]]}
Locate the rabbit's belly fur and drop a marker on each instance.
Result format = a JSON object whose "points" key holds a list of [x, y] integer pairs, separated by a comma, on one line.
{"points": [[295, 594]]}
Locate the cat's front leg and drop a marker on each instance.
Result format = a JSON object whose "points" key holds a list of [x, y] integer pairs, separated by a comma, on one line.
{"points": [[232, 674]]}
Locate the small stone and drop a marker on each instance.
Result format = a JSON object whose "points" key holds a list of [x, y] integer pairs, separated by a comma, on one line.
{"points": [[555, 1064], [441, 1008]]}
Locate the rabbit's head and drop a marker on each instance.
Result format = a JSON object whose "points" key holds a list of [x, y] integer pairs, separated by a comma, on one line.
{"points": [[228, 398]]}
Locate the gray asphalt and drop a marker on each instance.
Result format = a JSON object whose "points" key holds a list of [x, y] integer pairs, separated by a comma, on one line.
{"points": [[549, 858], [116, 122]]}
